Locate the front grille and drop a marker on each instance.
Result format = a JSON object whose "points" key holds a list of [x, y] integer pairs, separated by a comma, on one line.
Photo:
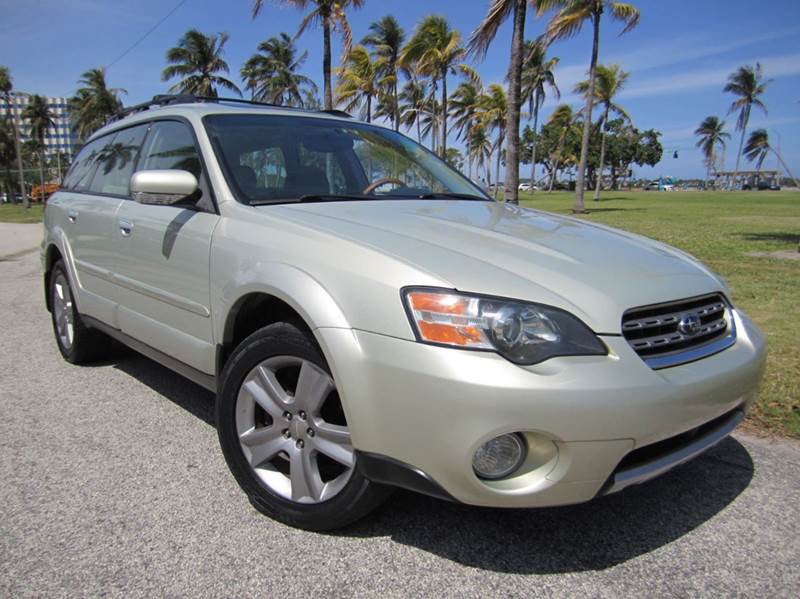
{"points": [[677, 332]]}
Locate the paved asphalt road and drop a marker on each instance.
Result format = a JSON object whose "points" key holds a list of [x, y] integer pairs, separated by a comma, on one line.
{"points": [[111, 484]]}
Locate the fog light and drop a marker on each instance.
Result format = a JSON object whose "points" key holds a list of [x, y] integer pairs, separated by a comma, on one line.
{"points": [[499, 457]]}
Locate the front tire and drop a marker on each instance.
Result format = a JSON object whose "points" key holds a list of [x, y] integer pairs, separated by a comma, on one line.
{"points": [[284, 435]]}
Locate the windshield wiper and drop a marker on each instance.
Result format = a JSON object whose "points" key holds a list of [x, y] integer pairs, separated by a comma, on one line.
{"points": [[332, 197], [447, 195], [313, 197]]}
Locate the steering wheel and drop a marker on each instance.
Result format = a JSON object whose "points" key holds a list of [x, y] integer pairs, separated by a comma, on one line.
{"points": [[382, 181]]}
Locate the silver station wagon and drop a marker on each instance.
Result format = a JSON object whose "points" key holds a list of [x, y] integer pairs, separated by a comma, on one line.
{"points": [[368, 318]]}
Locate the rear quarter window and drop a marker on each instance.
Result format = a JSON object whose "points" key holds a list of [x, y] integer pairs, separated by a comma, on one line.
{"points": [[80, 175]]}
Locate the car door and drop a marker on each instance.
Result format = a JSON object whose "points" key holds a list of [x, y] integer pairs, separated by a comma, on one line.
{"points": [[88, 220], [163, 259]]}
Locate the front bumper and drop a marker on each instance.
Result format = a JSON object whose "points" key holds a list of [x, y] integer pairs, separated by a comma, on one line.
{"points": [[432, 407]]}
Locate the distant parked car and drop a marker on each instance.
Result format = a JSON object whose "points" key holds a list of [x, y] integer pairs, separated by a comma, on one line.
{"points": [[767, 186], [527, 187], [656, 186]]}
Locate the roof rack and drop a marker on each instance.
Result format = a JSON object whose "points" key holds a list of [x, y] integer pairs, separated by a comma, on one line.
{"points": [[167, 99]]}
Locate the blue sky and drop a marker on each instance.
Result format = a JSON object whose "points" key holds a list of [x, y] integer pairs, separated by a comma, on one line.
{"points": [[679, 56]]}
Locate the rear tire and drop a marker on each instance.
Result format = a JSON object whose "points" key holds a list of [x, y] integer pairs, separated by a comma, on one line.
{"points": [[283, 433], [77, 343]]}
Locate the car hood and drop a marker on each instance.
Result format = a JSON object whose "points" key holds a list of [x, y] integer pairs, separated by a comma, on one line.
{"points": [[504, 250]]}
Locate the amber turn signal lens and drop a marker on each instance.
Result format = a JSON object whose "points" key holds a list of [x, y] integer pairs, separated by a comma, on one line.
{"points": [[447, 318]]}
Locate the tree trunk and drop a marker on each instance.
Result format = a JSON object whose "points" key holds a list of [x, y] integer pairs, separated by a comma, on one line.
{"points": [[587, 122], [741, 145], [396, 104], [533, 147], [41, 174], [786, 168], [326, 62], [18, 148], [419, 135], [599, 185], [511, 190], [369, 108], [553, 176], [497, 165], [443, 149]]}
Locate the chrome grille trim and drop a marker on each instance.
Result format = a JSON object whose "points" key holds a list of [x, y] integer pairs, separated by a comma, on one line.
{"points": [[653, 331]]}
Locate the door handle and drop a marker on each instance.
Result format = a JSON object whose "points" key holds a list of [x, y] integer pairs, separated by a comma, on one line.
{"points": [[72, 215], [125, 227]]}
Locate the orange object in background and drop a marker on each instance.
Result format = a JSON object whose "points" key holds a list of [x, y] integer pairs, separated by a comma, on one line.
{"points": [[49, 189]]}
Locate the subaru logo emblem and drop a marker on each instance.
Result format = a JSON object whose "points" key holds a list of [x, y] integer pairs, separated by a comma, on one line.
{"points": [[689, 324]]}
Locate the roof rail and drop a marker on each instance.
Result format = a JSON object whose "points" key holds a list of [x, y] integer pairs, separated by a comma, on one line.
{"points": [[167, 99]]}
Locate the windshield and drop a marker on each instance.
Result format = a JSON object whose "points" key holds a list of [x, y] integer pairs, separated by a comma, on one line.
{"points": [[273, 159]]}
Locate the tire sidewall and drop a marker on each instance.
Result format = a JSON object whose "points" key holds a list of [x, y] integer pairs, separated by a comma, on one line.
{"points": [[58, 269]]}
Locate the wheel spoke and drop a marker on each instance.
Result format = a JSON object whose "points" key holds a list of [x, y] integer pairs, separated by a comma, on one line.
{"points": [[304, 475], [334, 442], [264, 443], [268, 393], [313, 386]]}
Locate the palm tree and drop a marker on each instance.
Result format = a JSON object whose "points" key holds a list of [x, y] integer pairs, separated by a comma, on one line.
{"points": [[537, 72], [331, 14], [94, 103], [480, 148], [757, 149], [493, 106], [386, 39], [712, 135], [747, 83], [197, 60], [482, 37], [436, 49], [6, 90], [608, 83], [360, 81], [430, 121], [465, 110], [412, 103], [563, 119], [271, 74], [40, 117], [8, 154], [566, 23]]}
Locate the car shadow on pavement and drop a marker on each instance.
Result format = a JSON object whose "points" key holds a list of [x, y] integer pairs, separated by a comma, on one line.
{"points": [[193, 398], [591, 536]]}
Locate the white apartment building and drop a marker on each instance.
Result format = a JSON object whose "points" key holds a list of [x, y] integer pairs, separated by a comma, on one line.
{"points": [[60, 137]]}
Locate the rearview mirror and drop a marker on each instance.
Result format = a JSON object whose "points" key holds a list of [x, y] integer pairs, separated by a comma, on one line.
{"points": [[162, 187]]}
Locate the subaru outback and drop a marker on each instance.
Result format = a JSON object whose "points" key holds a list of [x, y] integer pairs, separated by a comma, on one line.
{"points": [[369, 318]]}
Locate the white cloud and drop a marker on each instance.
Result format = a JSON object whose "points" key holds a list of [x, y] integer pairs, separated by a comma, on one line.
{"points": [[774, 66]]}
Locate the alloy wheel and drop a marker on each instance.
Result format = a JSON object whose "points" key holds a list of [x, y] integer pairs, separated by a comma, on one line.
{"points": [[63, 312], [292, 429]]}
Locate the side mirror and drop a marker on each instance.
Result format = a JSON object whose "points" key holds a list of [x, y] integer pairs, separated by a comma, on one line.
{"points": [[162, 187]]}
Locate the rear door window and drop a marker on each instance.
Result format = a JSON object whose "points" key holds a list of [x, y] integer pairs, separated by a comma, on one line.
{"points": [[80, 175], [116, 160]]}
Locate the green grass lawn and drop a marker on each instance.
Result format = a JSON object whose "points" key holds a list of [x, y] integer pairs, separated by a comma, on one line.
{"points": [[15, 213], [721, 229]]}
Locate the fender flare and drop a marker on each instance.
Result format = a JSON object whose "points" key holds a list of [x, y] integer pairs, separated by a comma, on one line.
{"points": [[285, 282]]}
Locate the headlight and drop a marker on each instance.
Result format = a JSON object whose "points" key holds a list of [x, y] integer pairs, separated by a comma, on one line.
{"points": [[522, 332]]}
